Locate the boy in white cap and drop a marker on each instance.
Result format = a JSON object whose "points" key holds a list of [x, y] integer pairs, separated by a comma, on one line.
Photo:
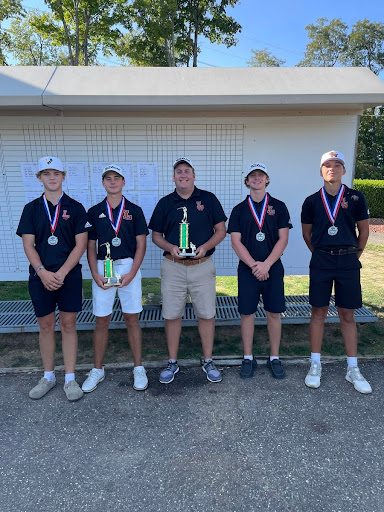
{"points": [[329, 221], [54, 229], [120, 224], [259, 228]]}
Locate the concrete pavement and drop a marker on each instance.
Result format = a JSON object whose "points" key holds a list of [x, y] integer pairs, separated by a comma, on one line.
{"points": [[254, 445]]}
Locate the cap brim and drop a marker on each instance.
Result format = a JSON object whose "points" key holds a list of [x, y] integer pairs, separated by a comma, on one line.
{"points": [[333, 160]]}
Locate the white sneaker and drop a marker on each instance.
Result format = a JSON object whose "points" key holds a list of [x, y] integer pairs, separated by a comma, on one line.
{"points": [[360, 384], [140, 380], [312, 380], [94, 377]]}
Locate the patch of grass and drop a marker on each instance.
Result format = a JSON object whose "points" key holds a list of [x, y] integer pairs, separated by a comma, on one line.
{"points": [[19, 349], [14, 290], [296, 285]]}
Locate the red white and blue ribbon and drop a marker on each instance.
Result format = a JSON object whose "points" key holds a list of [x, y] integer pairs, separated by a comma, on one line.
{"points": [[53, 223], [259, 220], [115, 225], [332, 214]]}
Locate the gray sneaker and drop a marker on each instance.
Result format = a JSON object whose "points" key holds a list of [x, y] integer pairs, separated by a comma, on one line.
{"points": [[73, 391], [42, 388], [213, 374], [168, 374]]}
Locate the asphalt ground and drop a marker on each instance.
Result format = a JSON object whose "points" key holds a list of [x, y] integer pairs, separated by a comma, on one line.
{"points": [[241, 445]]}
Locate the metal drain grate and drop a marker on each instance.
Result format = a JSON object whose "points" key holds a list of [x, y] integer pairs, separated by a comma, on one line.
{"points": [[18, 316]]}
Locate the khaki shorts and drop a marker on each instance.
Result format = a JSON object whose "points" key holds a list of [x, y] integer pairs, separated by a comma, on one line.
{"points": [[198, 280]]}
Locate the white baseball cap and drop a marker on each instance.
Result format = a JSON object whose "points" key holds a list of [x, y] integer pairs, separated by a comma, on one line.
{"points": [[257, 166], [332, 155], [50, 162], [183, 159], [114, 168]]}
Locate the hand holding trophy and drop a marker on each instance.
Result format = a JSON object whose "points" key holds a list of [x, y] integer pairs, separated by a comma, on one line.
{"points": [[112, 278]]}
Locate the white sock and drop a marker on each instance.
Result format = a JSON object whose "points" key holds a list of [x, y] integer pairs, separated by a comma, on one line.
{"points": [[248, 357], [208, 360], [172, 361], [140, 366], [69, 377], [352, 362], [271, 358], [50, 376], [315, 357], [99, 370]]}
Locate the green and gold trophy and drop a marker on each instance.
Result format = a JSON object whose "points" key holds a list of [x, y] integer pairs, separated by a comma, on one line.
{"points": [[112, 278], [187, 248]]}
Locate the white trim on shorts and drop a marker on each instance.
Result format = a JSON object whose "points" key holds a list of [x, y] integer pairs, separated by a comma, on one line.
{"points": [[130, 295]]}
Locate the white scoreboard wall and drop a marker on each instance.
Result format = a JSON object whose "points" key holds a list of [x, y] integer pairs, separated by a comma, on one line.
{"points": [[215, 149], [220, 148]]}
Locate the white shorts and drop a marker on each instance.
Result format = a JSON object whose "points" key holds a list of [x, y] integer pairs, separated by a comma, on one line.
{"points": [[130, 295]]}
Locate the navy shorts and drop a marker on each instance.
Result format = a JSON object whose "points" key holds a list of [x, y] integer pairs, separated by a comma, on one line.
{"points": [[250, 290], [68, 298], [342, 271]]}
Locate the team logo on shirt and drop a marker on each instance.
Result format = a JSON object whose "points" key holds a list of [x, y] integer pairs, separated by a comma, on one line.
{"points": [[65, 215], [102, 216], [271, 210], [199, 206], [126, 216], [88, 225], [344, 203]]}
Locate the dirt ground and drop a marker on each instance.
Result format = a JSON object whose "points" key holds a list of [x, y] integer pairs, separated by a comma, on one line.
{"points": [[376, 231]]}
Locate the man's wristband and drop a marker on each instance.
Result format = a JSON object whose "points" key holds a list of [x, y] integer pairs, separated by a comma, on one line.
{"points": [[40, 267]]}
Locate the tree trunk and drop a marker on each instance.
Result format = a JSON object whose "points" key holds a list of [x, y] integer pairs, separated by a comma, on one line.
{"points": [[77, 43], [86, 34], [67, 34]]}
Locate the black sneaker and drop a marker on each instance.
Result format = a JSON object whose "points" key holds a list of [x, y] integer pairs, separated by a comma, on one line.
{"points": [[276, 368], [248, 368]]}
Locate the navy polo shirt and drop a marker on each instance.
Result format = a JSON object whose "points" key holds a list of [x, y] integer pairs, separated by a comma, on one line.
{"points": [[72, 221], [242, 221], [204, 211], [353, 208], [132, 224]]}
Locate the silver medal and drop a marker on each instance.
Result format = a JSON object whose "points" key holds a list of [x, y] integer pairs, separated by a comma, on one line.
{"points": [[332, 231], [53, 240], [116, 242], [260, 237]]}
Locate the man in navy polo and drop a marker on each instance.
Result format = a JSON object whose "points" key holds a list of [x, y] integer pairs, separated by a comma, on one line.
{"points": [[259, 228], [194, 218], [54, 229], [120, 224], [329, 220]]}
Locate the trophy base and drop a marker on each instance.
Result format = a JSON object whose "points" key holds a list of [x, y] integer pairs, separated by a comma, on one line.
{"points": [[187, 252], [112, 281]]}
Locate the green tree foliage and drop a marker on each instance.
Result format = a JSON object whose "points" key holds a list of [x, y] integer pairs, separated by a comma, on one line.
{"points": [[29, 46], [328, 42], [209, 19], [84, 27], [332, 43], [370, 148], [8, 9], [159, 38], [365, 46], [264, 59], [167, 32]]}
